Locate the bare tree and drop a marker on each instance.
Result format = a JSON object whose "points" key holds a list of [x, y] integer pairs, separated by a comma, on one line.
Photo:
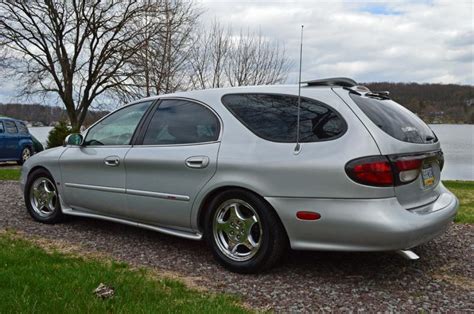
{"points": [[84, 51], [263, 61], [209, 56], [168, 39], [76, 49], [220, 58]]}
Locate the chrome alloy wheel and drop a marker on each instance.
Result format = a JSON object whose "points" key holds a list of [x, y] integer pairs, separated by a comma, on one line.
{"points": [[43, 197], [25, 154], [237, 230]]}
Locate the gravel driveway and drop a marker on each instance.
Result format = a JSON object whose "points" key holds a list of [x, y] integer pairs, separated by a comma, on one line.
{"points": [[442, 280]]}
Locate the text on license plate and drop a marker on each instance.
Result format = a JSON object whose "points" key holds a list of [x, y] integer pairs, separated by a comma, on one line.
{"points": [[427, 176]]}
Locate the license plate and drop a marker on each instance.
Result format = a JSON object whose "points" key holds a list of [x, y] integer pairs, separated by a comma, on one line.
{"points": [[427, 176]]}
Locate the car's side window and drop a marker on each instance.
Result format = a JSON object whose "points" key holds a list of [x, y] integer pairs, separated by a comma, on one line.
{"points": [[2, 129], [22, 128], [117, 128], [274, 117], [177, 121], [11, 128]]}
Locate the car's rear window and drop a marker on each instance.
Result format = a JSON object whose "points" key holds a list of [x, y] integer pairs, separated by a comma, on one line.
{"points": [[395, 120], [274, 117]]}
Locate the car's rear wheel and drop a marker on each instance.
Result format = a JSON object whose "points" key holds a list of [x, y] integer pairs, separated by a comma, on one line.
{"points": [[244, 232], [25, 154], [42, 198]]}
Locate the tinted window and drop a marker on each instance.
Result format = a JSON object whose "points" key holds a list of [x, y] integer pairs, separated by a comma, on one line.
{"points": [[117, 128], [11, 127], [274, 117], [22, 128], [2, 129], [395, 120], [181, 122]]}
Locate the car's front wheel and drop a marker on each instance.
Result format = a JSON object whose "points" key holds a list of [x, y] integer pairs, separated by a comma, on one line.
{"points": [[42, 198], [244, 232], [25, 154]]}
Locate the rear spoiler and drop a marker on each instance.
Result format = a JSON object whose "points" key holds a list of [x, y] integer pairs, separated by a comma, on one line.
{"points": [[333, 81], [350, 85]]}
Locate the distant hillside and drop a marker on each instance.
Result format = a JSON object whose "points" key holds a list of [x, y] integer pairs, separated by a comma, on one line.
{"points": [[434, 103], [45, 115]]}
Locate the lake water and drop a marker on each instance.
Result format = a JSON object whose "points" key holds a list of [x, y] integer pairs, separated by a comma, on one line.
{"points": [[457, 142]]}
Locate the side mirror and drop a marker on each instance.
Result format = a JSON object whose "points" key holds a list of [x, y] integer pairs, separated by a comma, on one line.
{"points": [[74, 139]]}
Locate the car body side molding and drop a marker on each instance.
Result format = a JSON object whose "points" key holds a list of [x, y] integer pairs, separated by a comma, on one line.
{"points": [[175, 197]]}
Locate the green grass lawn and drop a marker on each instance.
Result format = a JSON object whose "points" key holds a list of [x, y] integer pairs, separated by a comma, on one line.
{"points": [[464, 190], [34, 281], [9, 174]]}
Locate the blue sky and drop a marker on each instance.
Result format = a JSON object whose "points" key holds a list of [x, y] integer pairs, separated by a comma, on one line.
{"points": [[379, 9]]}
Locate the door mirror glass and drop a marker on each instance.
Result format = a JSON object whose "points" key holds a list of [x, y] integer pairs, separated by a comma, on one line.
{"points": [[74, 139]]}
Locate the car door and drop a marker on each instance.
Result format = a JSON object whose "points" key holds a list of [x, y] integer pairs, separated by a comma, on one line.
{"points": [[12, 149], [176, 156], [3, 140], [93, 174]]}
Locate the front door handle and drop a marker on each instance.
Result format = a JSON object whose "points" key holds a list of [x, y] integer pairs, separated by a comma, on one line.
{"points": [[197, 162], [112, 161]]}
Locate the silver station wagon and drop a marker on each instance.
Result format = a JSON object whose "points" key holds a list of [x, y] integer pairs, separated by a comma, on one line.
{"points": [[225, 165]]}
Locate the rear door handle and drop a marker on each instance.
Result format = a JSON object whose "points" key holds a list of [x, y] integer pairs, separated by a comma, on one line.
{"points": [[112, 161], [197, 162]]}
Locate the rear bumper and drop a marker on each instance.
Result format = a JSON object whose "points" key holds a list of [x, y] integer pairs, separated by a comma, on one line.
{"points": [[364, 224]]}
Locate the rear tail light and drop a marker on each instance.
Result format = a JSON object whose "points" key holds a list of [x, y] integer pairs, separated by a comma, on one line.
{"points": [[408, 169], [375, 171], [390, 170]]}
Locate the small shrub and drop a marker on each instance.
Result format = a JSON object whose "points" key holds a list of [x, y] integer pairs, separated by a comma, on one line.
{"points": [[58, 134]]}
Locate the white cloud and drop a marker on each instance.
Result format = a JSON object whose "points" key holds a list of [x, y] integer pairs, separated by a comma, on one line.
{"points": [[398, 40], [412, 41]]}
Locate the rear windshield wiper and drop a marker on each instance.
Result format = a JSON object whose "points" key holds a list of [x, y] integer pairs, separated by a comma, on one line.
{"points": [[381, 95]]}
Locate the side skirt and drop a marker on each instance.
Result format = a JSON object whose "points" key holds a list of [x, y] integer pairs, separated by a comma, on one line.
{"points": [[173, 232]]}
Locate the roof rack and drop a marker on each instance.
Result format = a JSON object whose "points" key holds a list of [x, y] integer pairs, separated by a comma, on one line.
{"points": [[333, 81]]}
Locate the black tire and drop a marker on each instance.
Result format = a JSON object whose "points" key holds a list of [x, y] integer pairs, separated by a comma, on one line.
{"points": [[54, 216], [273, 242], [24, 152]]}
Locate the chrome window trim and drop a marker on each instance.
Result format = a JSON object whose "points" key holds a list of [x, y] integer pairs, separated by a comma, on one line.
{"points": [[174, 145], [102, 146]]}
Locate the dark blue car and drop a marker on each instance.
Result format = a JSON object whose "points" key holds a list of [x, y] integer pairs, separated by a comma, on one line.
{"points": [[16, 143]]}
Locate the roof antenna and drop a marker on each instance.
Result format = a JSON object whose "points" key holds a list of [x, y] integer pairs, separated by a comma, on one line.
{"points": [[298, 146]]}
